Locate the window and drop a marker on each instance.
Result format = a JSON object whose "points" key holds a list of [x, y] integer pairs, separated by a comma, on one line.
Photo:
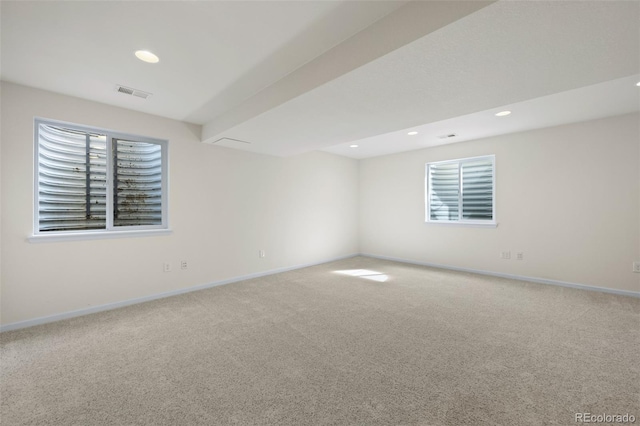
{"points": [[95, 180], [461, 191]]}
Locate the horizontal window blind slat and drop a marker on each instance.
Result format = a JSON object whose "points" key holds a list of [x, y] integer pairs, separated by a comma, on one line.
{"points": [[444, 191], [477, 190], [461, 190]]}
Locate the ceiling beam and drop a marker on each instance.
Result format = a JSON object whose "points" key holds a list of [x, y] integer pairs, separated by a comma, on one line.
{"points": [[413, 21]]}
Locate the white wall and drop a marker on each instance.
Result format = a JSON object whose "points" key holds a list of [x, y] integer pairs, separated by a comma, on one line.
{"points": [[567, 196], [225, 205]]}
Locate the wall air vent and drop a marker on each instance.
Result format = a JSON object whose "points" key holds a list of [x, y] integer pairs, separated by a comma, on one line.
{"points": [[133, 92], [448, 136]]}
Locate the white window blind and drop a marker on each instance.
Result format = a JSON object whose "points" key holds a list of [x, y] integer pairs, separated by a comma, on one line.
{"points": [[95, 180], [461, 191]]}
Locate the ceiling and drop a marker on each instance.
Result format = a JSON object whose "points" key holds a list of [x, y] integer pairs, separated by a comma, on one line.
{"points": [[614, 97], [283, 78], [213, 54]]}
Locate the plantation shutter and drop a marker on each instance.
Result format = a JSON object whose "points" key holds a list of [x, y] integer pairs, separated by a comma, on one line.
{"points": [[72, 183], [444, 191], [477, 189], [138, 183]]}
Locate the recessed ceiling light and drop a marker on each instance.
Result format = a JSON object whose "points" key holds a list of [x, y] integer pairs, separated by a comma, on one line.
{"points": [[146, 56], [503, 113], [353, 146], [638, 84], [412, 133]]}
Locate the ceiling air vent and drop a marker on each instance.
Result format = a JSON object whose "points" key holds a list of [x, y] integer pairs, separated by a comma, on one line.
{"points": [[450, 135], [133, 92]]}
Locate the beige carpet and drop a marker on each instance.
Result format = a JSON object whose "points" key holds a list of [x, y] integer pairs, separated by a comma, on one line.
{"points": [[313, 347]]}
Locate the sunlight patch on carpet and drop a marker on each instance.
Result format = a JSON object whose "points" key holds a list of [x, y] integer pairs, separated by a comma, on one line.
{"points": [[366, 274]]}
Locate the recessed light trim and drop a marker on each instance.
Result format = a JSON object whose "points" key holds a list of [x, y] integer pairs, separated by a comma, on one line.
{"points": [[353, 146], [146, 56], [503, 113], [412, 133]]}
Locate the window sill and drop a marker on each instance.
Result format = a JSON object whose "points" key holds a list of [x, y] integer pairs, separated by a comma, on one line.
{"points": [[96, 235], [463, 224]]}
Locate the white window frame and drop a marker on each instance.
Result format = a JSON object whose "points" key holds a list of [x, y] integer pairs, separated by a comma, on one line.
{"points": [[110, 230], [461, 222]]}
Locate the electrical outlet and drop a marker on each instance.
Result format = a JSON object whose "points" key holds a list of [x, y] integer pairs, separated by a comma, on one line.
{"points": [[519, 255], [262, 253], [183, 264], [636, 266], [166, 267], [505, 255]]}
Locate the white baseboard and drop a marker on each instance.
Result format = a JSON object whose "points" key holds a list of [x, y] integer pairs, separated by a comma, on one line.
{"points": [[514, 277], [115, 305]]}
